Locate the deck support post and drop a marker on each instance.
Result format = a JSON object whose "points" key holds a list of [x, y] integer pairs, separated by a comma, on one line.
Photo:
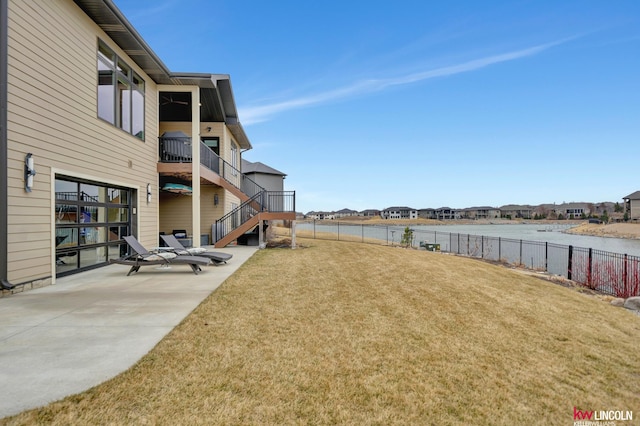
{"points": [[293, 234]]}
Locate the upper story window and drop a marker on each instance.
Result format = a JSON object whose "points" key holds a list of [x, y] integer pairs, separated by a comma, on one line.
{"points": [[213, 143], [120, 93], [234, 157]]}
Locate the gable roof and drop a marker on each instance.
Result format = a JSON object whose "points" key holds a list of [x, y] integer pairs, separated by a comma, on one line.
{"points": [[258, 167], [481, 208], [633, 196], [397, 208], [216, 94], [516, 207]]}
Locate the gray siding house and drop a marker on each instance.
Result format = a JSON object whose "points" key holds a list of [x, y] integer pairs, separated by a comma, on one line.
{"points": [[265, 176], [632, 205]]}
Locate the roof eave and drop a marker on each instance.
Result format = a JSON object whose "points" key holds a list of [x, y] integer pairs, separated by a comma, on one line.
{"points": [[216, 90], [109, 18]]}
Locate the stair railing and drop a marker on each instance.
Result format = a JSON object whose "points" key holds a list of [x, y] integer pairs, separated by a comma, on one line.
{"points": [[271, 201], [214, 162], [236, 217]]}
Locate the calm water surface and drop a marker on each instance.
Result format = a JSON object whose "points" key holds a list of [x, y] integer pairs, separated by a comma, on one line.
{"points": [[552, 234], [528, 232]]}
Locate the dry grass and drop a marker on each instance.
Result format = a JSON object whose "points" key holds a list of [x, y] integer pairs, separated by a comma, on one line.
{"points": [[347, 333], [616, 230]]}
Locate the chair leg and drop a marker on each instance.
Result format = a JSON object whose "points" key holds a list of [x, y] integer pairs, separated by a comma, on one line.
{"points": [[195, 268]]}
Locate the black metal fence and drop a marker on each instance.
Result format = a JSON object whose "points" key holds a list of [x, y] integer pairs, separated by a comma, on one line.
{"points": [[606, 272]]}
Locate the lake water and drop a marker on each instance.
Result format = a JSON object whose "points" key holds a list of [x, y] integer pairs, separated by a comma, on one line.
{"points": [[528, 232]]}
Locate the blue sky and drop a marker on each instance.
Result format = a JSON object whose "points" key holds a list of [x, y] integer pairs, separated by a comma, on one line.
{"points": [[372, 104]]}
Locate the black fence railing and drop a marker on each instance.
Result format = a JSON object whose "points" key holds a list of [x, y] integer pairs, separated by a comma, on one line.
{"points": [[279, 201], [605, 272], [271, 201], [227, 223], [175, 149], [209, 159]]}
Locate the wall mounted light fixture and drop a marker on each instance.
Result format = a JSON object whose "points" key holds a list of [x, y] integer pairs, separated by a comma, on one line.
{"points": [[208, 129], [215, 199], [148, 193], [29, 172]]}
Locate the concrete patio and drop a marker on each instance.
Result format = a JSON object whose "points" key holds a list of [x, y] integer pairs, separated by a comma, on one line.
{"points": [[65, 338]]}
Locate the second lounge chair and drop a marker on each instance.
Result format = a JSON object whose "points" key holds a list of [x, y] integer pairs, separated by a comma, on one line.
{"points": [[215, 256]]}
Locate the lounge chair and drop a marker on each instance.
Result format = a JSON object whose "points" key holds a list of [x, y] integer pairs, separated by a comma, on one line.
{"points": [[215, 256], [143, 257]]}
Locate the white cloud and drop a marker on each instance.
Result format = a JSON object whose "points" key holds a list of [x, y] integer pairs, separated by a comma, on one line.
{"points": [[261, 113]]}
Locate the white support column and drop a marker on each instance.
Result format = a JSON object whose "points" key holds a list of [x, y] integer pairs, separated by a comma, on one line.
{"points": [[261, 234], [195, 164]]}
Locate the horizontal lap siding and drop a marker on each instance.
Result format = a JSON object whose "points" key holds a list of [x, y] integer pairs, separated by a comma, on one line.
{"points": [[172, 126], [52, 113], [175, 213], [209, 211]]}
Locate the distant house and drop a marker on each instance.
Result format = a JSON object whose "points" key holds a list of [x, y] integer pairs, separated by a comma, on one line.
{"points": [[399, 213], [632, 205], [565, 210], [321, 215], [575, 210], [481, 213], [312, 215], [271, 180], [446, 213], [427, 213], [370, 213], [345, 213], [515, 211], [265, 176]]}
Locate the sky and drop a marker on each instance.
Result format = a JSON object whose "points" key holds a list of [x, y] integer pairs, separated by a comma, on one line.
{"points": [[425, 104]]}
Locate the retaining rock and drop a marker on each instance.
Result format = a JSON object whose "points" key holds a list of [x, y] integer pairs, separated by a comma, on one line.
{"points": [[632, 303], [618, 302]]}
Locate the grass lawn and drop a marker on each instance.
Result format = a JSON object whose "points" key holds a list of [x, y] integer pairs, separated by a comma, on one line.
{"points": [[349, 333]]}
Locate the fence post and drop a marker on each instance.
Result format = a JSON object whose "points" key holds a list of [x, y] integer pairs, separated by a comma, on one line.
{"points": [[570, 262], [590, 267], [338, 231], [499, 249], [624, 275], [314, 229], [546, 257], [458, 250], [520, 263]]}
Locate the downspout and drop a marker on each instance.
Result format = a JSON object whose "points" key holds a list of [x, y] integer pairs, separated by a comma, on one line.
{"points": [[4, 145]]}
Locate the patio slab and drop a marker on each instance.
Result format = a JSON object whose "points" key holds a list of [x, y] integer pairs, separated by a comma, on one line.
{"points": [[65, 338]]}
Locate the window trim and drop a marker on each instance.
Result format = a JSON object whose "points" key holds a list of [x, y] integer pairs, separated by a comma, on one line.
{"points": [[122, 73]]}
